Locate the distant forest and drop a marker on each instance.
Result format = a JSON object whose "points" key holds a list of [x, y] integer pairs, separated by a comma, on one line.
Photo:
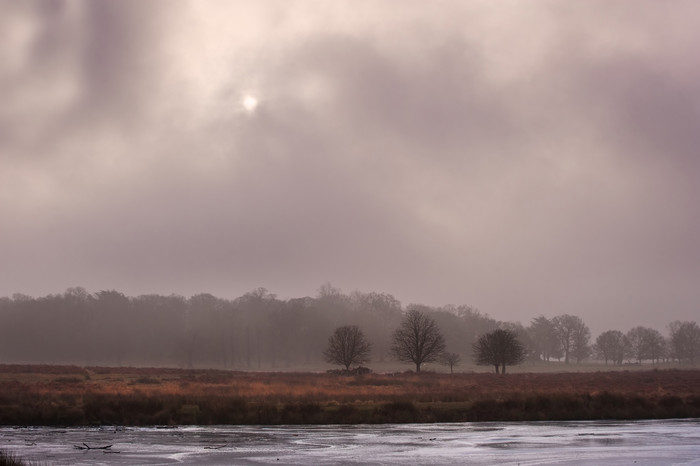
{"points": [[257, 331]]}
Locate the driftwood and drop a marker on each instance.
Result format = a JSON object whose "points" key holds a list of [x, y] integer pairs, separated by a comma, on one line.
{"points": [[216, 447], [85, 446]]}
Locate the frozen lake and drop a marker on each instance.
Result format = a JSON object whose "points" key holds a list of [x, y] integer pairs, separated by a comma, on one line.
{"points": [[579, 443]]}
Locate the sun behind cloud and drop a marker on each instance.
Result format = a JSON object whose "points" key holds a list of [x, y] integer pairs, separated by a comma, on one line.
{"points": [[250, 103]]}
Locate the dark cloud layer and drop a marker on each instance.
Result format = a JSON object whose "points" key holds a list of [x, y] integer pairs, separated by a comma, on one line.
{"points": [[524, 160]]}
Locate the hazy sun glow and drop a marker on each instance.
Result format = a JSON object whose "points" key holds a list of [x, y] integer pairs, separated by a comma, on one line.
{"points": [[250, 103]]}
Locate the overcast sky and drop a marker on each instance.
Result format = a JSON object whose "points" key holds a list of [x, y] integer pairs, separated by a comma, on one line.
{"points": [[522, 157]]}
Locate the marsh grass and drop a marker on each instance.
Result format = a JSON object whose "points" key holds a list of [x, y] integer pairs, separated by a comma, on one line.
{"points": [[7, 459], [50, 395]]}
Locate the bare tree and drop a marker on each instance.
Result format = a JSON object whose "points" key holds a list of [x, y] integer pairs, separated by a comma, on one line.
{"points": [[635, 343], [645, 343], [544, 337], [382, 312], [347, 346], [610, 346], [498, 348], [581, 349], [450, 359], [685, 340], [573, 336], [418, 339]]}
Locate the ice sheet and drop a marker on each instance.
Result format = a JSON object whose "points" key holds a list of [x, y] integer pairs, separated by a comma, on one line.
{"points": [[540, 443]]}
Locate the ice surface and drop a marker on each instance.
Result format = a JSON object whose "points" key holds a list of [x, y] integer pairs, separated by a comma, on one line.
{"points": [[540, 443]]}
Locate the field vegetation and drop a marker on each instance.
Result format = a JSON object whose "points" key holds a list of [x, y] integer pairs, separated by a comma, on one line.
{"points": [[7, 459], [71, 395]]}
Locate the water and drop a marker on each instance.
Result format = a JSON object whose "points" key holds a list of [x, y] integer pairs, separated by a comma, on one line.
{"points": [[552, 443]]}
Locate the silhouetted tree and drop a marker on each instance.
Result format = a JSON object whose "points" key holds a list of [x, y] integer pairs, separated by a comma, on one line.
{"points": [[581, 349], [522, 335], [498, 348], [472, 324], [645, 343], [573, 336], [347, 346], [451, 360], [545, 342], [610, 346], [685, 340], [418, 339], [379, 313]]}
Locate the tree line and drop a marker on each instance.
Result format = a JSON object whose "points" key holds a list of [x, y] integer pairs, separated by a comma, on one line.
{"points": [[259, 331], [419, 340]]}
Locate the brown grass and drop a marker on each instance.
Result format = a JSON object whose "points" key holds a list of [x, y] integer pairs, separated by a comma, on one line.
{"points": [[67, 395], [7, 459]]}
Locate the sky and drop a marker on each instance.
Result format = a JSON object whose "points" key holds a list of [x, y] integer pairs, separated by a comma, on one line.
{"points": [[523, 157]]}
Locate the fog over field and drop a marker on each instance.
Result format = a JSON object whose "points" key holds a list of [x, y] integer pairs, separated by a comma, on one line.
{"points": [[523, 158]]}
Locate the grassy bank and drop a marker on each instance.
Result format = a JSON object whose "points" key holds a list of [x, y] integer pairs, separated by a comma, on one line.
{"points": [[66, 395]]}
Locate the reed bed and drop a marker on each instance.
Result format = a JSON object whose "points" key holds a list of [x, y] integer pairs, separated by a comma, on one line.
{"points": [[69, 395]]}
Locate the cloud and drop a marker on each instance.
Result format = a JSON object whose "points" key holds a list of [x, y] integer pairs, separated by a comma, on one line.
{"points": [[524, 161]]}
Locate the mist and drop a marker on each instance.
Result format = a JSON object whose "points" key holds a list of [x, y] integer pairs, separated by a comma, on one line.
{"points": [[524, 160], [260, 331]]}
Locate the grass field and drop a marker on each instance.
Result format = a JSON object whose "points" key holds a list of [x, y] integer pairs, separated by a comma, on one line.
{"points": [[69, 395]]}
